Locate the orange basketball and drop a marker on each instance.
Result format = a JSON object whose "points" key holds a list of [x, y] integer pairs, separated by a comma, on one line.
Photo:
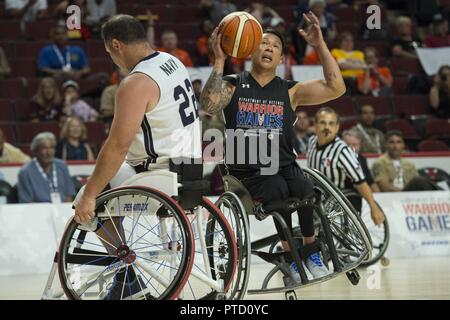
{"points": [[241, 34]]}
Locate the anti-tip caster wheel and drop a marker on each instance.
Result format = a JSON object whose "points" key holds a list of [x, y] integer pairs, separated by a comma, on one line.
{"points": [[385, 261], [290, 295], [353, 276]]}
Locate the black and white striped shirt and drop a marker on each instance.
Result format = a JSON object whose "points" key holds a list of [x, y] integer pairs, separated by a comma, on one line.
{"points": [[336, 161]]}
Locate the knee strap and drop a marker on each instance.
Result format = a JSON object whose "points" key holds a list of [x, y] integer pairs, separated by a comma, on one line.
{"points": [[308, 249]]}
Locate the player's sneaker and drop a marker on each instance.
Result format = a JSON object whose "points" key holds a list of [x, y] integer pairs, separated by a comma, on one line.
{"points": [[119, 290], [316, 266], [295, 272]]}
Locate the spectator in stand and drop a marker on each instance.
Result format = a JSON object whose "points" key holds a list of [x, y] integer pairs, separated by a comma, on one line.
{"points": [[74, 106], [350, 61], [393, 174], [62, 61], [264, 14], [61, 14], [108, 100], [196, 81], [169, 42], [45, 179], [375, 81], [440, 36], [353, 141], [202, 45], [440, 93], [327, 25], [301, 126], [372, 139], [26, 10], [405, 44], [217, 9], [46, 105], [72, 144], [5, 68], [98, 12], [9, 153]]}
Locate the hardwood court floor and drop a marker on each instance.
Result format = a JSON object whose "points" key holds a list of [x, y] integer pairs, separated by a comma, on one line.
{"points": [[421, 278]]}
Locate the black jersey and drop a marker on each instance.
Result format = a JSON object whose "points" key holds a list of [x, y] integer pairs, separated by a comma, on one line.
{"points": [[261, 113]]}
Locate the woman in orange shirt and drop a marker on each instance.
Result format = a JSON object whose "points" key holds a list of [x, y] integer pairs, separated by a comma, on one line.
{"points": [[375, 80]]}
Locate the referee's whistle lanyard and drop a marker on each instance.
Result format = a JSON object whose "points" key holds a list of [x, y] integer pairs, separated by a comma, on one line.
{"points": [[53, 185], [375, 143], [65, 64]]}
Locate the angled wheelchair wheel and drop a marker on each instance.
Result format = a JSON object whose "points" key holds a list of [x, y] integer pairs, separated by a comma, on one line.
{"points": [[380, 239], [234, 212], [139, 246], [215, 255], [378, 234], [351, 239]]}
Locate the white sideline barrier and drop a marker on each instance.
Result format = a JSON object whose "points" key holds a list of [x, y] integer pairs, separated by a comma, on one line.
{"points": [[29, 234]]}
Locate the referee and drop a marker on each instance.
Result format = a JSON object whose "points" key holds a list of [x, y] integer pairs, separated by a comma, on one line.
{"points": [[331, 156]]}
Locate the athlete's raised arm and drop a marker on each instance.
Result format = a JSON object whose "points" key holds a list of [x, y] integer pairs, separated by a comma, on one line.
{"points": [[318, 91], [217, 93]]}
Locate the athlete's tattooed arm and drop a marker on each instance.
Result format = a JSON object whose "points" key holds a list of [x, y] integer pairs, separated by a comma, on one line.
{"points": [[216, 94]]}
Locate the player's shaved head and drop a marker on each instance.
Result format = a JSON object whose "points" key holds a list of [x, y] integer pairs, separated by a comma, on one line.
{"points": [[124, 28]]}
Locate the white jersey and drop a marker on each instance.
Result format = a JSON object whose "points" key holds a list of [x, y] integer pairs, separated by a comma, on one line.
{"points": [[172, 128]]}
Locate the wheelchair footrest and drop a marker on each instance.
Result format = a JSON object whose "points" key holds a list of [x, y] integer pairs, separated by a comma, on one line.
{"points": [[307, 249], [287, 205], [273, 258], [214, 295]]}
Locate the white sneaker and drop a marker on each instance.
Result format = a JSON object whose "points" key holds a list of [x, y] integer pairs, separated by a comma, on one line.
{"points": [[316, 266], [295, 273]]}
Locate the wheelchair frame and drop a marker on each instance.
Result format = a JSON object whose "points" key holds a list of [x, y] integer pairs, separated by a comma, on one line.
{"points": [[246, 206]]}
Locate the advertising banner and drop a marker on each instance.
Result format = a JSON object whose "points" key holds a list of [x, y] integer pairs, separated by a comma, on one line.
{"points": [[419, 223]]}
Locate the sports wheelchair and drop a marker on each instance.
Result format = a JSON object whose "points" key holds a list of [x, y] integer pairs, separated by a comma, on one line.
{"points": [[342, 237], [158, 230]]}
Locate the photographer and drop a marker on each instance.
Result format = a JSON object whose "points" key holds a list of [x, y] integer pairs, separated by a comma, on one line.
{"points": [[440, 93]]}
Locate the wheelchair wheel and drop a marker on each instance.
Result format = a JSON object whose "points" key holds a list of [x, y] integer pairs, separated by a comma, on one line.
{"points": [[215, 254], [380, 238], [233, 210], [140, 246], [351, 238], [378, 234]]}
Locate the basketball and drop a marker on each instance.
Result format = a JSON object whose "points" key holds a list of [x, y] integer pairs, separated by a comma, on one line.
{"points": [[241, 34]]}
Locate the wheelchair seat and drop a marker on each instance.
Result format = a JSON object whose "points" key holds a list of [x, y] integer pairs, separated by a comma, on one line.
{"points": [[288, 205], [251, 206], [192, 185]]}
